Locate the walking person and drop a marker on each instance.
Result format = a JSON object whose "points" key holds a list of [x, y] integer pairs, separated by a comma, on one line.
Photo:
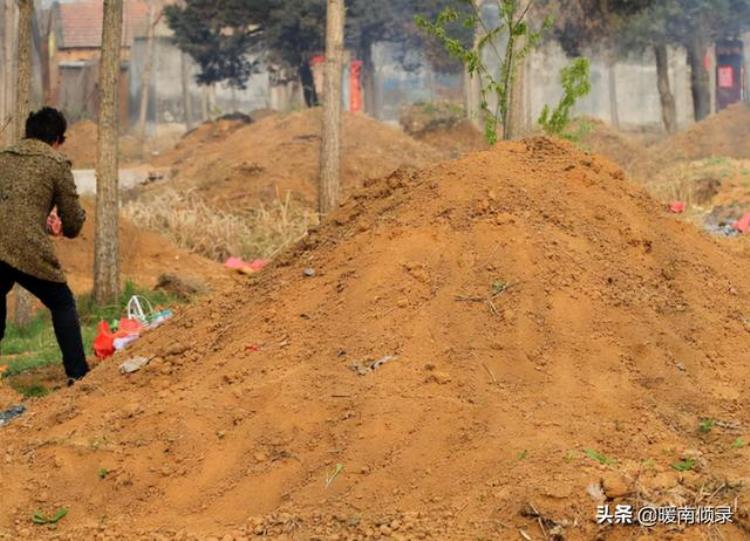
{"points": [[38, 197]]}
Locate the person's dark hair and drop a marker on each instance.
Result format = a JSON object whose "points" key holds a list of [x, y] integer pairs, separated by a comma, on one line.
{"points": [[48, 125]]}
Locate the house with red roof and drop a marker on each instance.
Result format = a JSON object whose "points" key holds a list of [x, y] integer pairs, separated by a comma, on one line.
{"points": [[73, 49]]}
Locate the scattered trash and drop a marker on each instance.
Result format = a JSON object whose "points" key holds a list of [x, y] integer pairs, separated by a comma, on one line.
{"points": [[743, 224], [725, 230], [252, 347], [677, 207], [245, 267], [11, 413], [134, 364], [309, 272], [365, 367], [41, 520], [141, 316]]}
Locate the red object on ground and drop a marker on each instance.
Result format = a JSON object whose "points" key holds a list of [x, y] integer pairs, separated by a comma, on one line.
{"points": [[677, 207], [355, 86], [743, 224], [235, 263], [104, 343]]}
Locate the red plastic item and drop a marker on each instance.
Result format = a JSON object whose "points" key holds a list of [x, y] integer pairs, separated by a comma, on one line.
{"points": [[677, 207], [743, 224], [104, 343]]}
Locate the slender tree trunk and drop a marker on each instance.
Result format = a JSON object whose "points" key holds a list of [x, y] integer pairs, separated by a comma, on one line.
{"points": [[614, 108], [212, 109], [187, 103], [204, 104], [148, 70], [106, 249], [307, 81], [330, 159], [473, 85], [24, 302], [668, 106], [369, 87], [700, 79], [515, 128], [10, 59], [4, 73]]}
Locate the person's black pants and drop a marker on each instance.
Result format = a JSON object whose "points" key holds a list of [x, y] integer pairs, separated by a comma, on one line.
{"points": [[59, 300]]}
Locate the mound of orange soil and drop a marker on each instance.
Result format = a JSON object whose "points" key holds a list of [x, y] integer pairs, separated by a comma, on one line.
{"points": [[235, 164], [549, 340], [144, 256], [455, 140], [600, 138], [80, 146], [724, 134]]}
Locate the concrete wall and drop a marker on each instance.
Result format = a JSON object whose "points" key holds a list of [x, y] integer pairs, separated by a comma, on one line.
{"points": [[165, 103], [635, 82], [637, 96]]}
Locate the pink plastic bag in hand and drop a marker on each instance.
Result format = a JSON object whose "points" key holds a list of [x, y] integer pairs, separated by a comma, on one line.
{"points": [[54, 224]]}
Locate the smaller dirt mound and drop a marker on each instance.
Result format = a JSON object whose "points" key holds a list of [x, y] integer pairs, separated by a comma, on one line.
{"points": [[236, 165], [456, 140], [80, 146], [601, 138], [724, 134], [144, 257]]}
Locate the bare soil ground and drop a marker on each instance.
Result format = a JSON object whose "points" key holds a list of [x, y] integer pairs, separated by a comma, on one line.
{"points": [[235, 165], [543, 311]]}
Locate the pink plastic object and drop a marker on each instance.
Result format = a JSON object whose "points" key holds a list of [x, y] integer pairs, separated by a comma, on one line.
{"points": [[677, 207], [743, 224]]}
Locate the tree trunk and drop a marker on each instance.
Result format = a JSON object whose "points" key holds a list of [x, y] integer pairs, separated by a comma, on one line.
{"points": [[24, 303], [369, 88], [330, 159], [668, 106], [204, 104], [614, 109], [106, 249], [473, 85], [9, 79], [148, 70], [515, 128], [307, 81], [187, 102], [700, 79]]}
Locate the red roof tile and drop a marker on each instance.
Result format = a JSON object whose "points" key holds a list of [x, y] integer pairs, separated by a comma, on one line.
{"points": [[81, 22]]}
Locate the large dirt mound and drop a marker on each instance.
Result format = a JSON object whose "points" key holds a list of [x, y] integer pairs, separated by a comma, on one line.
{"points": [[558, 339], [235, 164]]}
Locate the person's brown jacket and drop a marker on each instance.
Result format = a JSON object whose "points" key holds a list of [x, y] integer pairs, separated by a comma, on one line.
{"points": [[35, 178]]}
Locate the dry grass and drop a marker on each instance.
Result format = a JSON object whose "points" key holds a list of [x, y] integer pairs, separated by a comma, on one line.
{"points": [[186, 219]]}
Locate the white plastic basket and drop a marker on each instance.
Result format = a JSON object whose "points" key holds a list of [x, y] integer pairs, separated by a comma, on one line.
{"points": [[140, 309]]}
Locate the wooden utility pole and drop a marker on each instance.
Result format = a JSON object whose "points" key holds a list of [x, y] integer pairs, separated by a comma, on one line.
{"points": [[24, 303], [330, 153], [148, 71], [106, 249]]}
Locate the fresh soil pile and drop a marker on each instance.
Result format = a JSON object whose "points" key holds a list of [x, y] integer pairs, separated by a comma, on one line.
{"points": [[724, 134], [80, 146], [557, 340], [234, 165], [145, 256], [456, 140], [600, 138]]}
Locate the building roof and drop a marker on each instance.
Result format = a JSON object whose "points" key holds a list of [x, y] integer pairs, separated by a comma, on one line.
{"points": [[80, 22]]}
